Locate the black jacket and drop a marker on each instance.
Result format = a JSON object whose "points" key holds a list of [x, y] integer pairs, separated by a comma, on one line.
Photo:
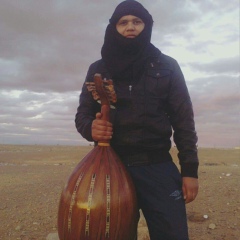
{"points": [[145, 115]]}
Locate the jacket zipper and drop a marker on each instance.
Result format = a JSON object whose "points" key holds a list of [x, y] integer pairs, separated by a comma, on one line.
{"points": [[130, 89]]}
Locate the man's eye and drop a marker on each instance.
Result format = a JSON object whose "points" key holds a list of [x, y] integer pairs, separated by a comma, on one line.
{"points": [[123, 23], [138, 22]]}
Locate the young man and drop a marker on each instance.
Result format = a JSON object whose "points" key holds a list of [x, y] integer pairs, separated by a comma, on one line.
{"points": [[152, 99]]}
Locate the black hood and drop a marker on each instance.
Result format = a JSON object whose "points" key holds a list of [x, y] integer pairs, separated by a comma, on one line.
{"points": [[120, 53]]}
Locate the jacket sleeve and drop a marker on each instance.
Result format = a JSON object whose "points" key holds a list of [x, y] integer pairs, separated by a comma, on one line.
{"points": [[87, 109], [182, 120]]}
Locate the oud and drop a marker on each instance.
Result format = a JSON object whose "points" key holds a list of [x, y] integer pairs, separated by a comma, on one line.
{"points": [[99, 199]]}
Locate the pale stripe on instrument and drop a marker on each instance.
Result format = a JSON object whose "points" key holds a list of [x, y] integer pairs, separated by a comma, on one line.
{"points": [[89, 204], [73, 201], [108, 206]]}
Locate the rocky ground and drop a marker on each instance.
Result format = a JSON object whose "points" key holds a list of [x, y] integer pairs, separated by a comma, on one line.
{"points": [[32, 178]]}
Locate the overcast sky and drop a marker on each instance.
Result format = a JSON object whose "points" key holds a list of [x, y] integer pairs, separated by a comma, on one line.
{"points": [[46, 47]]}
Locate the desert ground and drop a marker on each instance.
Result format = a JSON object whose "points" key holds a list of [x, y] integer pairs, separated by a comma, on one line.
{"points": [[32, 178]]}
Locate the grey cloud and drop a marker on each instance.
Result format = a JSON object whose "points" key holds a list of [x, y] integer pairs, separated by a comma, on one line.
{"points": [[226, 65], [216, 103], [52, 46], [219, 6], [39, 118], [31, 105], [216, 100]]}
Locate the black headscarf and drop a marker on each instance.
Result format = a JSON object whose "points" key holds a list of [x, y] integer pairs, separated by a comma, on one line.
{"points": [[124, 57]]}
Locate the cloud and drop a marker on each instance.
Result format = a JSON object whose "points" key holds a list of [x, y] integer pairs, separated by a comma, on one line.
{"points": [[45, 117], [216, 100], [48, 45], [225, 65]]}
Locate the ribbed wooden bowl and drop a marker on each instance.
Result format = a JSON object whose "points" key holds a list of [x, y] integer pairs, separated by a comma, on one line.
{"points": [[99, 200]]}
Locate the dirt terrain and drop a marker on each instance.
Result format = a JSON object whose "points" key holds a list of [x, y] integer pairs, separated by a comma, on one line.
{"points": [[32, 178]]}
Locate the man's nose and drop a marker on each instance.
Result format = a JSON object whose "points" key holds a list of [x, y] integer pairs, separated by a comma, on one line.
{"points": [[130, 26]]}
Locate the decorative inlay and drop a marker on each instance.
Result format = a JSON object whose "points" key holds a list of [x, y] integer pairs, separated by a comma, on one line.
{"points": [[108, 206], [73, 201], [90, 194]]}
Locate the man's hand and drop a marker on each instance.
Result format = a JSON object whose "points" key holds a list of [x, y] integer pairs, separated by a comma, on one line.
{"points": [[101, 129], [189, 188]]}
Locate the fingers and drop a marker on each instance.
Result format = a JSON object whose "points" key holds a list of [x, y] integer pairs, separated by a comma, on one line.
{"points": [[98, 115], [190, 189], [184, 193], [101, 129], [189, 196]]}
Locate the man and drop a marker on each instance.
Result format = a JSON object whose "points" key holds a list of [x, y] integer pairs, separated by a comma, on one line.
{"points": [[152, 99]]}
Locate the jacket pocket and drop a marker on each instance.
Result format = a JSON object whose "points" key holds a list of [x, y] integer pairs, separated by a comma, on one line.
{"points": [[157, 83]]}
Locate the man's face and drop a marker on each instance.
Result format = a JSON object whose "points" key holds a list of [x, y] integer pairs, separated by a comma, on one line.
{"points": [[130, 26]]}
